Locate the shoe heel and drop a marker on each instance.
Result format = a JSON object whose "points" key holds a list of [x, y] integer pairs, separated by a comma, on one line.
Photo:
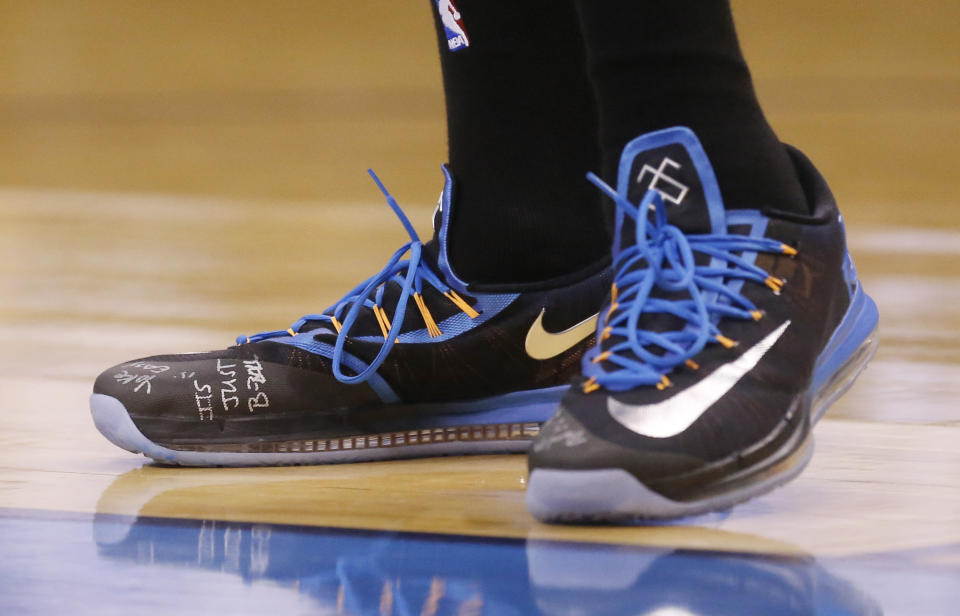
{"points": [[851, 347]]}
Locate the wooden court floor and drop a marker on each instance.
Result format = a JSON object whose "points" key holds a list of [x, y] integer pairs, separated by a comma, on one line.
{"points": [[174, 174]]}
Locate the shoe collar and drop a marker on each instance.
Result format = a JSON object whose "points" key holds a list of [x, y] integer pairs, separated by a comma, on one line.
{"points": [[441, 229]]}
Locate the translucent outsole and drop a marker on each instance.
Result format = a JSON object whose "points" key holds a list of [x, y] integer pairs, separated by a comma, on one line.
{"points": [[113, 421]]}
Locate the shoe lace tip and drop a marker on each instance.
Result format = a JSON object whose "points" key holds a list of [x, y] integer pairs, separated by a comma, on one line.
{"points": [[728, 343]]}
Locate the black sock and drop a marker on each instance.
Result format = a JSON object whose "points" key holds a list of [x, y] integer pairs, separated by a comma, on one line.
{"points": [[522, 134], [663, 63]]}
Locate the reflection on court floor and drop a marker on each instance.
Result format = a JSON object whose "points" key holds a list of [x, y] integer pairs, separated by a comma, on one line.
{"points": [[156, 565]]}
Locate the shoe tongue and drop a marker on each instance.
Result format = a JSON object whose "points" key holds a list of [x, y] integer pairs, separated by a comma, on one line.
{"points": [[437, 249], [672, 162]]}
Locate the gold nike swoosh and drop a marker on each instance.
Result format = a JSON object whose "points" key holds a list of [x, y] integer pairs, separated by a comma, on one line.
{"points": [[541, 344]]}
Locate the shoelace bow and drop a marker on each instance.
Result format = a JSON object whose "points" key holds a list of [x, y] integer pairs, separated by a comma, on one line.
{"points": [[410, 274], [662, 258]]}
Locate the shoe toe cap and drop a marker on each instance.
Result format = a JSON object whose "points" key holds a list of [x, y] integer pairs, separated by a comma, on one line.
{"points": [[565, 442], [151, 387]]}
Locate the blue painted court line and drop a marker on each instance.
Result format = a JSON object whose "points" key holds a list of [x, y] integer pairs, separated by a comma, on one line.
{"points": [[108, 564]]}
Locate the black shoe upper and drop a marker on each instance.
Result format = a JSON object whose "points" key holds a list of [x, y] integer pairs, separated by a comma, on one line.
{"points": [[283, 383], [765, 410], [272, 388]]}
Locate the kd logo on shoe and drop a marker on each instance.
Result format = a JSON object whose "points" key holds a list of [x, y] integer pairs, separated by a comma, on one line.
{"points": [[677, 413], [669, 188], [541, 344]]}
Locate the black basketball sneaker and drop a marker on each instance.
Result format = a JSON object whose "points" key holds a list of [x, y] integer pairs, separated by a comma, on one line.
{"points": [[727, 334], [411, 362]]}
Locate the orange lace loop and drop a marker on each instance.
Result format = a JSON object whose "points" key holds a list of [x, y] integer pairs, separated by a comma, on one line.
{"points": [[613, 307], [601, 357], [432, 328], [382, 320], [461, 304], [775, 283]]}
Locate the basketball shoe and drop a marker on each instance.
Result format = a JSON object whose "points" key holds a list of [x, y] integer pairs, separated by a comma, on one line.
{"points": [[411, 362], [727, 334]]}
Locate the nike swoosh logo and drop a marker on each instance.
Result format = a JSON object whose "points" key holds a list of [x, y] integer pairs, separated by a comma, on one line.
{"points": [[541, 344], [676, 414]]}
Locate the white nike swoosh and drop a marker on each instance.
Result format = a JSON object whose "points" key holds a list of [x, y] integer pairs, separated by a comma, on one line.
{"points": [[676, 414], [541, 344]]}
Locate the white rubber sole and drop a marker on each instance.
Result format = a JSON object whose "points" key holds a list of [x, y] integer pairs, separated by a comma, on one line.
{"points": [[112, 420], [613, 494]]}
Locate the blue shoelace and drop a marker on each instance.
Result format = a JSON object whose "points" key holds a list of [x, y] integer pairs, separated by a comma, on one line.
{"points": [[661, 257], [410, 274]]}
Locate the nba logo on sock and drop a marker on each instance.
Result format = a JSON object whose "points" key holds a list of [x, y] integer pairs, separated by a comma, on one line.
{"points": [[453, 25]]}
